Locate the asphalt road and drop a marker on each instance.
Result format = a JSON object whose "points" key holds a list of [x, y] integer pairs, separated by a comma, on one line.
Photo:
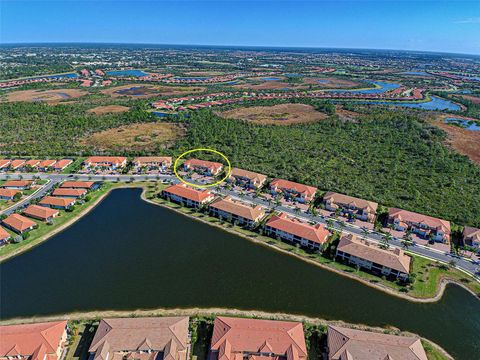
{"points": [[461, 263]]}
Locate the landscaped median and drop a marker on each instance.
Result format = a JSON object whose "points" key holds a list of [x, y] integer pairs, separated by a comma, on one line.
{"points": [[43, 231], [430, 277]]}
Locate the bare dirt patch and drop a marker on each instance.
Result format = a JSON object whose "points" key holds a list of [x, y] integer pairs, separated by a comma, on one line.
{"points": [[141, 137], [283, 114], [473, 99], [466, 142], [145, 91], [108, 109], [346, 114], [48, 96]]}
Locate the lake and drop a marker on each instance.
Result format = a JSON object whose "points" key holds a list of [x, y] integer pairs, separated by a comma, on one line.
{"points": [[271, 79], [127, 254], [435, 103], [464, 123], [135, 73], [383, 87]]}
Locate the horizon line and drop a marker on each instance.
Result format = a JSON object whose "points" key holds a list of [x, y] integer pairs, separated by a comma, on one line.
{"points": [[6, 44]]}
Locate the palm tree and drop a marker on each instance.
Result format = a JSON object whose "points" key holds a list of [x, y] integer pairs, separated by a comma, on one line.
{"points": [[385, 242]]}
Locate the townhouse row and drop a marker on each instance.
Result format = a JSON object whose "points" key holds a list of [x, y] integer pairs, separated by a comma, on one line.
{"points": [[233, 338], [29, 165], [62, 198], [393, 263]]}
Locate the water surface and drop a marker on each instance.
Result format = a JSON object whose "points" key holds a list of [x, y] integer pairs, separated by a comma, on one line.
{"points": [[127, 254]]}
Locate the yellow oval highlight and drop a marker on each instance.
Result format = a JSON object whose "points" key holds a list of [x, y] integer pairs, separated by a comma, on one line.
{"points": [[229, 167]]}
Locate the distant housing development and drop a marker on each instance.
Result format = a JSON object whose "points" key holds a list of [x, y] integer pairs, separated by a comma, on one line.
{"points": [[371, 257], [141, 338], [237, 339], [40, 341], [422, 225], [346, 344]]}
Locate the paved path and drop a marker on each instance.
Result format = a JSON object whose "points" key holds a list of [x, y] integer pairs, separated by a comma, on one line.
{"points": [[463, 264]]}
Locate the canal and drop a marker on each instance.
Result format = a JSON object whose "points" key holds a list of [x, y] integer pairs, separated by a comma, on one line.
{"points": [[127, 254]]}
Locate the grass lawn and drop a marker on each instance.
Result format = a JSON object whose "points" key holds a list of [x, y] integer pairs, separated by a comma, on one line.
{"points": [[43, 229], [81, 338], [74, 166], [428, 272], [432, 352]]}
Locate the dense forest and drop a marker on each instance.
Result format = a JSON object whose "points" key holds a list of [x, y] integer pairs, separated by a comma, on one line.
{"points": [[392, 157]]}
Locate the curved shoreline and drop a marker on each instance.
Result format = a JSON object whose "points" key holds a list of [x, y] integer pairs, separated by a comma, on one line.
{"points": [[91, 315], [440, 291]]}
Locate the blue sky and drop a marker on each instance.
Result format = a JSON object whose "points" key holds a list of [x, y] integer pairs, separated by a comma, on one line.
{"points": [[451, 26]]}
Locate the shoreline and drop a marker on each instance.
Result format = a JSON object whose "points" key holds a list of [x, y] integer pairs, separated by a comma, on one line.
{"points": [[440, 291], [94, 315], [441, 288]]}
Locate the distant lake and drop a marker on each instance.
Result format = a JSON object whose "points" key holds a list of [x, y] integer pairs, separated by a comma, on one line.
{"points": [[466, 124], [383, 87], [294, 75], [137, 73], [271, 79], [127, 254], [323, 81], [435, 103], [192, 78]]}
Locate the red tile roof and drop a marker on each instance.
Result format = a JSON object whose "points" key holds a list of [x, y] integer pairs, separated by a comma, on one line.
{"points": [[410, 216], [4, 234], [38, 340], [40, 212], [8, 192], [19, 222], [77, 184], [254, 177], [32, 163], [187, 192], [235, 337], [4, 163], [57, 201], [46, 163], [239, 208], [342, 199], [62, 164], [307, 191], [16, 163], [153, 160], [17, 183], [393, 258], [69, 192], [213, 166], [111, 160], [316, 233]]}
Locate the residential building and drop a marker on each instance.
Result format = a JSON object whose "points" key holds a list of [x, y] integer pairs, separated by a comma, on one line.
{"points": [[425, 226], [4, 164], [16, 164], [350, 206], [40, 212], [292, 190], [150, 338], [8, 194], [46, 165], [4, 236], [296, 231], [346, 344], [210, 168], [368, 255], [54, 202], [60, 165], [237, 211], [69, 192], [240, 338], [18, 223], [152, 163], [38, 341], [17, 184], [187, 196], [248, 179], [105, 162], [471, 236], [30, 164], [78, 185]]}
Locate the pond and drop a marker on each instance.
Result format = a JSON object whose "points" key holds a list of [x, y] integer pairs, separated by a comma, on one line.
{"points": [[464, 123], [271, 79], [381, 88], [127, 254], [436, 103], [131, 72]]}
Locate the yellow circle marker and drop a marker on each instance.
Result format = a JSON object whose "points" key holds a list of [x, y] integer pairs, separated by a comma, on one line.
{"points": [[229, 167]]}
